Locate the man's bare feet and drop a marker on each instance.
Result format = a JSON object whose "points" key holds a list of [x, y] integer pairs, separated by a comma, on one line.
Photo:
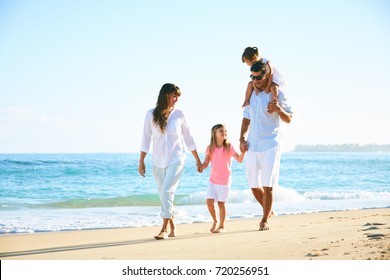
{"points": [[219, 230], [213, 227], [161, 235], [263, 226]]}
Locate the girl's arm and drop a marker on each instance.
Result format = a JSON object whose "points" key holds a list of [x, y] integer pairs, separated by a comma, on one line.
{"points": [[240, 157], [206, 162], [269, 82]]}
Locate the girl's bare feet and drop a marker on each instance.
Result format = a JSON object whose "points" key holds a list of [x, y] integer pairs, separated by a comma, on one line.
{"points": [[172, 233], [246, 103], [212, 229], [219, 230]]}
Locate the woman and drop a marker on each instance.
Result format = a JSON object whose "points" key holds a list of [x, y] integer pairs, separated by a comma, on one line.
{"points": [[168, 129]]}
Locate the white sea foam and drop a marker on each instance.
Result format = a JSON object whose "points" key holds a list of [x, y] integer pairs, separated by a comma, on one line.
{"points": [[38, 220], [288, 195]]}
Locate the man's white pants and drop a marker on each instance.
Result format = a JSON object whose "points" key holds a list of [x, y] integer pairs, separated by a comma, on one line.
{"points": [[262, 168]]}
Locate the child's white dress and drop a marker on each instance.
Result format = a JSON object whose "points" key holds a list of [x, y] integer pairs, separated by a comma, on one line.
{"points": [[277, 76]]}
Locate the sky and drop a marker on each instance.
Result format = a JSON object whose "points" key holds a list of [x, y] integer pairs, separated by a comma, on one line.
{"points": [[79, 76]]}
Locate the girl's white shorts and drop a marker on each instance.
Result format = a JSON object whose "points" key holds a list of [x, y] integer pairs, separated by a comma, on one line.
{"points": [[218, 192]]}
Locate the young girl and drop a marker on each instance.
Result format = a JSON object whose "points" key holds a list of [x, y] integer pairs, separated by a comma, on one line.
{"points": [[220, 153], [275, 80]]}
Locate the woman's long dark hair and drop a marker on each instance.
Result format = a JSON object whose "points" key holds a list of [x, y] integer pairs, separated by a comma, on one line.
{"points": [[161, 113]]}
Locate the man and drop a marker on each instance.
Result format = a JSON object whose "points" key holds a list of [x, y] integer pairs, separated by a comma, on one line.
{"points": [[263, 139]]}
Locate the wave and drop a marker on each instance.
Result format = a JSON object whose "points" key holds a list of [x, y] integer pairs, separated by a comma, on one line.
{"points": [[352, 195], [289, 195], [198, 198], [132, 200], [34, 162]]}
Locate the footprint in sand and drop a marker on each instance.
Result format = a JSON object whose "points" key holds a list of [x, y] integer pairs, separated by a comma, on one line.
{"points": [[371, 228], [374, 224], [375, 236], [316, 254]]}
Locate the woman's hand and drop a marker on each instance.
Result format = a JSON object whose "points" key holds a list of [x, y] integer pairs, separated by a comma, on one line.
{"points": [[141, 168], [199, 167]]}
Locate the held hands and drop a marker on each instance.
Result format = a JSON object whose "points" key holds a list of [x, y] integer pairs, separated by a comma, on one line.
{"points": [[243, 146], [199, 167]]}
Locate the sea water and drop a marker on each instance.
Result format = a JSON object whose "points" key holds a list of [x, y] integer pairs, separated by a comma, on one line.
{"points": [[61, 192]]}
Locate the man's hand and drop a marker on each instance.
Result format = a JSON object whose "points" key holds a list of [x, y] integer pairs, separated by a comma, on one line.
{"points": [[273, 106], [243, 146]]}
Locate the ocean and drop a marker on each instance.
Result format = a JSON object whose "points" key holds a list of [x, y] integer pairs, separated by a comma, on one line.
{"points": [[64, 192]]}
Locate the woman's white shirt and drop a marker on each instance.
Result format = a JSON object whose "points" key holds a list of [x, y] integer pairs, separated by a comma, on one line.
{"points": [[168, 147]]}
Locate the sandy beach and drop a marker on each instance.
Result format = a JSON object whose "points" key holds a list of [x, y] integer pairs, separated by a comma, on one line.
{"points": [[344, 235]]}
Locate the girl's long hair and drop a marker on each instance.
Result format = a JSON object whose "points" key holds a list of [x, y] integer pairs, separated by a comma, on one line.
{"points": [[213, 139], [161, 113]]}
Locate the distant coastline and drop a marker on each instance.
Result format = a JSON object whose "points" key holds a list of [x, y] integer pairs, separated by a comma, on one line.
{"points": [[342, 148]]}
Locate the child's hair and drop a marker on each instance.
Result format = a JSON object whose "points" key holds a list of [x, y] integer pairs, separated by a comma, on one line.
{"points": [[250, 53], [159, 118], [213, 140]]}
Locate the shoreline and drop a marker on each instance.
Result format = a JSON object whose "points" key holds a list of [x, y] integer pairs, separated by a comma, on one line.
{"points": [[335, 235], [178, 222], [30, 221]]}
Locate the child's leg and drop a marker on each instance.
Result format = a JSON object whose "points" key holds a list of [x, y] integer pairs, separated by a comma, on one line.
{"points": [[269, 83], [210, 206], [248, 94], [269, 80], [222, 217], [274, 90], [274, 94]]}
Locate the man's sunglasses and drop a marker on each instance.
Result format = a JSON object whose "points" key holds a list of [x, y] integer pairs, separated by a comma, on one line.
{"points": [[257, 77]]}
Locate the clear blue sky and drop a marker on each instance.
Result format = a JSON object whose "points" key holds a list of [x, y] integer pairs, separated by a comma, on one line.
{"points": [[78, 76]]}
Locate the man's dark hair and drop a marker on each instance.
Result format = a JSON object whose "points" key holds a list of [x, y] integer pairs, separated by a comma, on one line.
{"points": [[259, 66]]}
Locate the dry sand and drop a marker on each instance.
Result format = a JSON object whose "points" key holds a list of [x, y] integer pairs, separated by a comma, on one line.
{"points": [[344, 235]]}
